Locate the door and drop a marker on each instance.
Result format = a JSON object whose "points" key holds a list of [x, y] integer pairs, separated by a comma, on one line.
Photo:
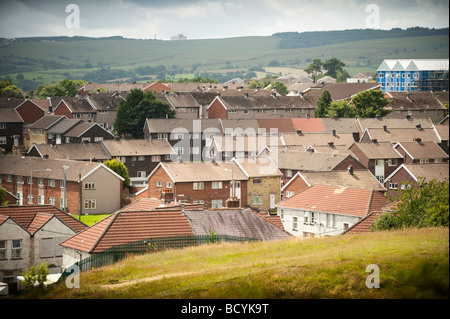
{"points": [[58, 138], [379, 170], [272, 201]]}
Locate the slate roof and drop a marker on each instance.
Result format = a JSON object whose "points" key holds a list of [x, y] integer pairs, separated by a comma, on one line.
{"points": [[234, 222], [77, 151], [77, 105], [429, 171], [310, 125], [47, 121], [396, 135], [105, 101], [379, 123], [379, 150], [314, 139], [168, 125], [335, 199], [342, 91], [9, 115], [306, 161], [414, 101], [32, 217], [268, 102], [281, 125], [64, 125], [136, 147]]}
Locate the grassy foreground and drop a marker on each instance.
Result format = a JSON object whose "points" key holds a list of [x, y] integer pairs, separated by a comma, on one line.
{"points": [[412, 264]]}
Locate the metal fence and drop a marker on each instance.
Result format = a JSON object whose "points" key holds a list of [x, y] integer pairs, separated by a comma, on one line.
{"points": [[151, 245]]}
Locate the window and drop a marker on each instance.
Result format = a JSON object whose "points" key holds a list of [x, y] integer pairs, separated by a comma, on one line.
{"points": [[167, 157], [2, 125], [257, 181], [40, 199], [142, 174], [16, 250], [313, 220], [168, 184], [98, 139], [8, 276], [288, 110], [29, 180], [51, 182], [289, 173], [86, 139], [179, 136], [306, 218], [289, 194], [34, 132], [424, 161], [89, 185], [162, 136], [40, 181], [260, 111], [90, 204], [158, 184], [52, 201], [19, 179], [329, 220], [246, 112], [67, 140], [77, 115], [199, 185], [274, 111], [282, 214], [257, 199], [91, 115], [9, 178], [392, 162], [30, 198], [217, 185], [345, 226], [155, 158], [179, 150], [2, 249], [198, 202], [216, 203], [61, 203], [41, 132], [438, 160], [392, 185], [232, 111], [294, 223]]}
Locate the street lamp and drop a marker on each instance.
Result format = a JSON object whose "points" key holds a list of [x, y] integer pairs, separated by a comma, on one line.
{"points": [[31, 181], [65, 189]]}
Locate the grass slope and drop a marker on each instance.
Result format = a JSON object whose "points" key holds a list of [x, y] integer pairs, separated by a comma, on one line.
{"points": [[412, 263]]}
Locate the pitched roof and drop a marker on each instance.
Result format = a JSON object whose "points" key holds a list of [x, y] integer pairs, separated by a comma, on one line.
{"points": [[128, 226], [428, 149], [268, 102], [379, 150], [47, 121], [314, 139], [76, 104], [307, 125], [76, 151], [340, 125], [10, 115], [258, 167], [64, 125], [105, 101], [342, 91], [396, 135], [427, 171], [48, 168], [413, 65], [442, 132], [32, 217], [136, 147], [307, 161], [281, 125], [359, 179], [364, 225], [234, 222], [205, 171], [413, 101], [335, 199], [379, 123], [169, 125], [180, 99]]}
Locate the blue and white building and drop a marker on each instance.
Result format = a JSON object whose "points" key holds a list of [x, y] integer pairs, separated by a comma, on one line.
{"points": [[409, 75]]}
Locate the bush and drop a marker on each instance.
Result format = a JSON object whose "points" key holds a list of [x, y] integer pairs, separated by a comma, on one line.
{"points": [[36, 277]]}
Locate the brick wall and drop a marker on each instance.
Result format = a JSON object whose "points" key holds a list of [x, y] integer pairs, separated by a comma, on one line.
{"points": [[401, 176], [268, 186], [63, 110], [297, 185], [217, 110], [30, 112]]}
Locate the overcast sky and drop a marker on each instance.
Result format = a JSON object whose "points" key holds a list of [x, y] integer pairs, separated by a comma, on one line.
{"points": [[200, 19]]}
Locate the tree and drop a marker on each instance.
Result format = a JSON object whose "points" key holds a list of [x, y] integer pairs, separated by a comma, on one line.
{"points": [[333, 66], [280, 88], [323, 104], [8, 89], [341, 109], [315, 68], [119, 168], [2, 197], [132, 112], [65, 87], [342, 76], [36, 276], [370, 104], [426, 205]]}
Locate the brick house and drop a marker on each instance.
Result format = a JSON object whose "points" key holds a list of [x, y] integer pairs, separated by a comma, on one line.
{"points": [[379, 157], [31, 235], [199, 183], [86, 132], [91, 188], [419, 152], [139, 156], [183, 103], [38, 130], [407, 175]]}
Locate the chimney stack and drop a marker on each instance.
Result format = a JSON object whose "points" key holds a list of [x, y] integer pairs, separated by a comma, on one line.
{"points": [[385, 128], [350, 170]]}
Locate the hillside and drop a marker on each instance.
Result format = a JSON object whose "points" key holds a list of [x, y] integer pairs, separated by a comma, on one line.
{"points": [[46, 60], [412, 264]]}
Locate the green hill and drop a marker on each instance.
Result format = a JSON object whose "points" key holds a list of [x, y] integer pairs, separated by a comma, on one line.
{"points": [[46, 60], [412, 264]]}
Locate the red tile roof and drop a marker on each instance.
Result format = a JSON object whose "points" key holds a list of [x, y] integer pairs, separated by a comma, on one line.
{"points": [[31, 215], [308, 125], [364, 225], [335, 199]]}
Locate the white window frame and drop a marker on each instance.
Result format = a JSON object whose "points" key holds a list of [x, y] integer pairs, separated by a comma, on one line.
{"points": [[216, 185], [158, 184], [257, 199], [289, 194], [216, 203], [198, 185], [90, 204], [16, 252], [89, 185], [155, 158], [294, 223], [142, 174], [393, 186], [392, 162], [169, 185], [3, 247]]}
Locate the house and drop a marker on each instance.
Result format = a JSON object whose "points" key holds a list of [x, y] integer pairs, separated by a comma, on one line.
{"points": [[416, 105], [261, 107], [31, 235], [263, 185], [172, 223], [419, 152], [350, 178], [442, 132], [86, 132], [379, 157], [38, 130], [407, 175], [56, 133], [76, 108], [324, 210], [105, 106], [361, 77], [205, 183], [290, 162], [183, 103], [318, 139], [11, 129], [92, 152], [401, 75], [91, 188], [344, 91], [93, 88], [139, 156]]}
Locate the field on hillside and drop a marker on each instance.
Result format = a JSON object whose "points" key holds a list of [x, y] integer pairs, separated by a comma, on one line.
{"points": [[52, 61], [412, 264]]}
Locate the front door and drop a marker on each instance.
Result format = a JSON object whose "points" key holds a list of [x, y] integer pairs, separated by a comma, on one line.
{"points": [[379, 170], [272, 201]]}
